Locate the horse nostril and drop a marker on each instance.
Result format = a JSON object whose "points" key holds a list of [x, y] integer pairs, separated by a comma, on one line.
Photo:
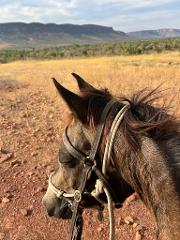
{"points": [[50, 212]]}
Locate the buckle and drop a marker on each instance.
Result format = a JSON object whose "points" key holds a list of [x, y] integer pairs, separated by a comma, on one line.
{"points": [[88, 162], [77, 196]]}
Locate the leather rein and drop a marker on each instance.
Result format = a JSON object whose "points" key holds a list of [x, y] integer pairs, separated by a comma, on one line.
{"points": [[90, 166]]}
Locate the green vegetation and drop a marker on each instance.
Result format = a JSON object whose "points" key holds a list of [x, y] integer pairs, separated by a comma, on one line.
{"points": [[102, 49]]}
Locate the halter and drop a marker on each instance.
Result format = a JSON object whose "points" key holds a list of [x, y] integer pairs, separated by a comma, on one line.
{"points": [[89, 162]]}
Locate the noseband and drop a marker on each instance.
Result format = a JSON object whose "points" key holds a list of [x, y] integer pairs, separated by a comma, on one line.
{"points": [[90, 166]]}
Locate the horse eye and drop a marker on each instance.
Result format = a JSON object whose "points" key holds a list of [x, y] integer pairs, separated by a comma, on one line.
{"points": [[70, 164], [67, 160]]}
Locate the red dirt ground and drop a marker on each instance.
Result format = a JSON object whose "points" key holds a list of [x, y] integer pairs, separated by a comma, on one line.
{"points": [[31, 124]]}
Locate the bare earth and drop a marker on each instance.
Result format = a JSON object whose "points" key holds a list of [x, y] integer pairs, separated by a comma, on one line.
{"points": [[31, 124]]}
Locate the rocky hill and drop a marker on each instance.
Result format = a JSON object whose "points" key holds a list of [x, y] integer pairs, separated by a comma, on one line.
{"points": [[152, 34], [39, 35], [43, 35]]}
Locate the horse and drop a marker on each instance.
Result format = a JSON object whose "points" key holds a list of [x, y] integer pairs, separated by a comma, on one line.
{"points": [[145, 155]]}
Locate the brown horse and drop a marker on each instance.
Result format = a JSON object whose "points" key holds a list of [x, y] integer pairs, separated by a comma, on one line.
{"points": [[145, 157]]}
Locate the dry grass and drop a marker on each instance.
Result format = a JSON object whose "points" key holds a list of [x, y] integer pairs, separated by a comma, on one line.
{"points": [[31, 124], [123, 74]]}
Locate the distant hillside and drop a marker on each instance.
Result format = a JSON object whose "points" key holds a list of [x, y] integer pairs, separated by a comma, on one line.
{"points": [[39, 35], [153, 34], [46, 35]]}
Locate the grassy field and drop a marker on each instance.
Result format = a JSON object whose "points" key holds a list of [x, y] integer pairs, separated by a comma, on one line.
{"points": [[121, 74], [115, 73]]}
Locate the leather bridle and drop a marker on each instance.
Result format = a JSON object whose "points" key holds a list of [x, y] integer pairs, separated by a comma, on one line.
{"points": [[90, 166]]}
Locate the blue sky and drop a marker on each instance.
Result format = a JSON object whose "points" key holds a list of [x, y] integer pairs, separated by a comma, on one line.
{"points": [[122, 15]]}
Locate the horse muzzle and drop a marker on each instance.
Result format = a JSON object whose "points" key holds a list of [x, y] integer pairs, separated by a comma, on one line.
{"points": [[60, 209]]}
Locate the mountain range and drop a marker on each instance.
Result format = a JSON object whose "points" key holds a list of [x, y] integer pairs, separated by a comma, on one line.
{"points": [[31, 35], [153, 34]]}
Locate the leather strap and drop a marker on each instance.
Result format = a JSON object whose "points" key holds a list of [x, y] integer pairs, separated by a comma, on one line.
{"points": [[71, 149], [76, 153], [76, 204], [100, 129], [79, 155]]}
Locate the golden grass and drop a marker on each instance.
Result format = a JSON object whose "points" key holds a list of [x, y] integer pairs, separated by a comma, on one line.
{"points": [[121, 74]]}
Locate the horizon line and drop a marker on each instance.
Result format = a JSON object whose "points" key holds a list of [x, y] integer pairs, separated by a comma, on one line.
{"points": [[86, 24]]}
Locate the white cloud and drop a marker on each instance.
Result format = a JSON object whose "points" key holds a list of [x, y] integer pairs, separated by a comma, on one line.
{"points": [[124, 15], [133, 3], [29, 12], [154, 20]]}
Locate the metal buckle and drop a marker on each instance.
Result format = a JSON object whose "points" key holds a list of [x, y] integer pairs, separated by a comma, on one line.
{"points": [[88, 162], [77, 196]]}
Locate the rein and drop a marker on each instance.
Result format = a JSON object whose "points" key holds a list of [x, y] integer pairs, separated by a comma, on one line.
{"points": [[89, 161]]}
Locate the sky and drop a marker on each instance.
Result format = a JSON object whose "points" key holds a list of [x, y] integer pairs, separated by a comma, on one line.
{"points": [[122, 15]]}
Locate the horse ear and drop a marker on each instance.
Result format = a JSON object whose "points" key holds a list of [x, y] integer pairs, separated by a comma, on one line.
{"points": [[76, 104], [82, 83]]}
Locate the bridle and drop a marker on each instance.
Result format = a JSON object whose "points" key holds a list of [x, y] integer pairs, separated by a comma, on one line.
{"points": [[90, 166]]}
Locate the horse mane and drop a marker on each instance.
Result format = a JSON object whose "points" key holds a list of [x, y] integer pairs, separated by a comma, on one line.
{"points": [[143, 118]]}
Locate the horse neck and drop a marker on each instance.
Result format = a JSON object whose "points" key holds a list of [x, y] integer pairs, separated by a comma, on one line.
{"points": [[150, 177]]}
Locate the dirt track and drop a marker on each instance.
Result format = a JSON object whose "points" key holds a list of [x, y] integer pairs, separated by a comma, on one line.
{"points": [[31, 124]]}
